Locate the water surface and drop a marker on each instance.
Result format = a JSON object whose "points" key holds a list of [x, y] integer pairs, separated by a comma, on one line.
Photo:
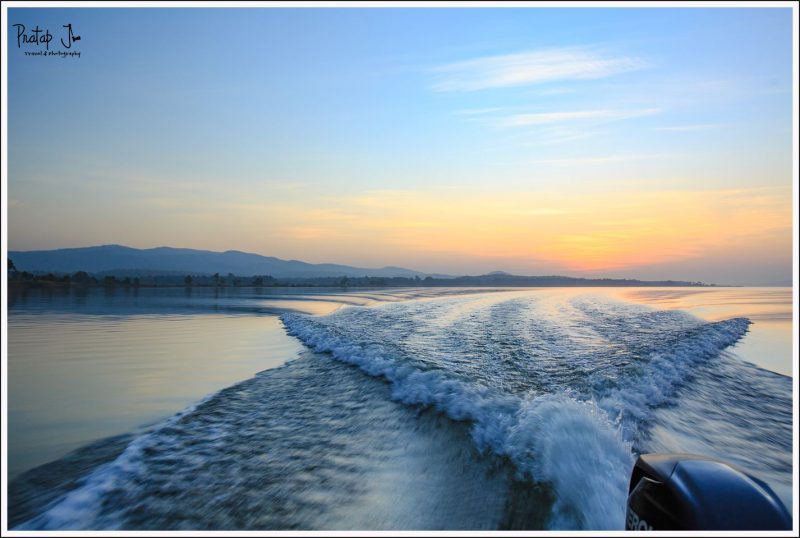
{"points": [[397, 409]]}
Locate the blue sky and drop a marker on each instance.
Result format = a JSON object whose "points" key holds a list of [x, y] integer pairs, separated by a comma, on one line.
{"points": [[293, 132]]}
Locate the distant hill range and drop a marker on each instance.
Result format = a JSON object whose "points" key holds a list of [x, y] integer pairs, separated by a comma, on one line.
{"points": [[126, 261], [121, 261], [503, 279]]}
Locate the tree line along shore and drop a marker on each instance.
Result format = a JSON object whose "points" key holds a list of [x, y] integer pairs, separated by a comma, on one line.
{"points": [[138, 279]]}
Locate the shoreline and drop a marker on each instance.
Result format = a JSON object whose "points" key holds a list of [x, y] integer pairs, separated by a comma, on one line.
{"points": [[73, 285]]}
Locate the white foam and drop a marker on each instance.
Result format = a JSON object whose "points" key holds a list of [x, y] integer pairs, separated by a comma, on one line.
{"points": [[579, 446], [81, 508], [633, 400]]}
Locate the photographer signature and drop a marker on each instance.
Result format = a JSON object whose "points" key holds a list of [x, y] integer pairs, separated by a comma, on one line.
{"points": [[37, 36]]}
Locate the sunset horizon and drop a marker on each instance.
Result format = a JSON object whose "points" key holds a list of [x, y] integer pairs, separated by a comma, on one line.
{"points": [[508, 144], [499, 268]]}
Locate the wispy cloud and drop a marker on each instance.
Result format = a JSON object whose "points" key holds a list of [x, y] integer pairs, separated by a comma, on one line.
{"points": [[478, 111], [599, 160], [556, 91], [542, 118], [531, 67], [688, 128], [557, 136]]}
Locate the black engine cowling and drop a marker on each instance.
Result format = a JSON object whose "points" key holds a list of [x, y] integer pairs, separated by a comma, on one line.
{"points": [[686, 492]]}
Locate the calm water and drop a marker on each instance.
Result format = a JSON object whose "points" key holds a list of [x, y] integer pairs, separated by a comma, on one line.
{"points": [[409, 409]]}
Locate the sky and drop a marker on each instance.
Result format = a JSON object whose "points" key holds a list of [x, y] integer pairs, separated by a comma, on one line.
{"points": [[636, 142]]}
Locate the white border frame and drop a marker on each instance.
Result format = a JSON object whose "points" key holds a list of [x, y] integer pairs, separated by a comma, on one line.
{"points": [[377, 5]]}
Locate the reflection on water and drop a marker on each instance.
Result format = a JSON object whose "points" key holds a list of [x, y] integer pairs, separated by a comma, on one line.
{"points": [[713, 304], [75, 378], [88, 363], [768, 343], [122, 300]]}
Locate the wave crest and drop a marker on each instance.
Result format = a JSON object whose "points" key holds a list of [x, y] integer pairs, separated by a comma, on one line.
{"points": [[582, 444]]}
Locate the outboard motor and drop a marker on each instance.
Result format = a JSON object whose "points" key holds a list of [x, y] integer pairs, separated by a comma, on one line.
{"points": [[686, 492]]}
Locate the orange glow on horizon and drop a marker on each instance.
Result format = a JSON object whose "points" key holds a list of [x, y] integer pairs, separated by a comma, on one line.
{"points": [[580, 232]]}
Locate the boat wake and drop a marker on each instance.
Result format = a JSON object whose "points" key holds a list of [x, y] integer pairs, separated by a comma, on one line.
{"points": [[504, 410]]}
